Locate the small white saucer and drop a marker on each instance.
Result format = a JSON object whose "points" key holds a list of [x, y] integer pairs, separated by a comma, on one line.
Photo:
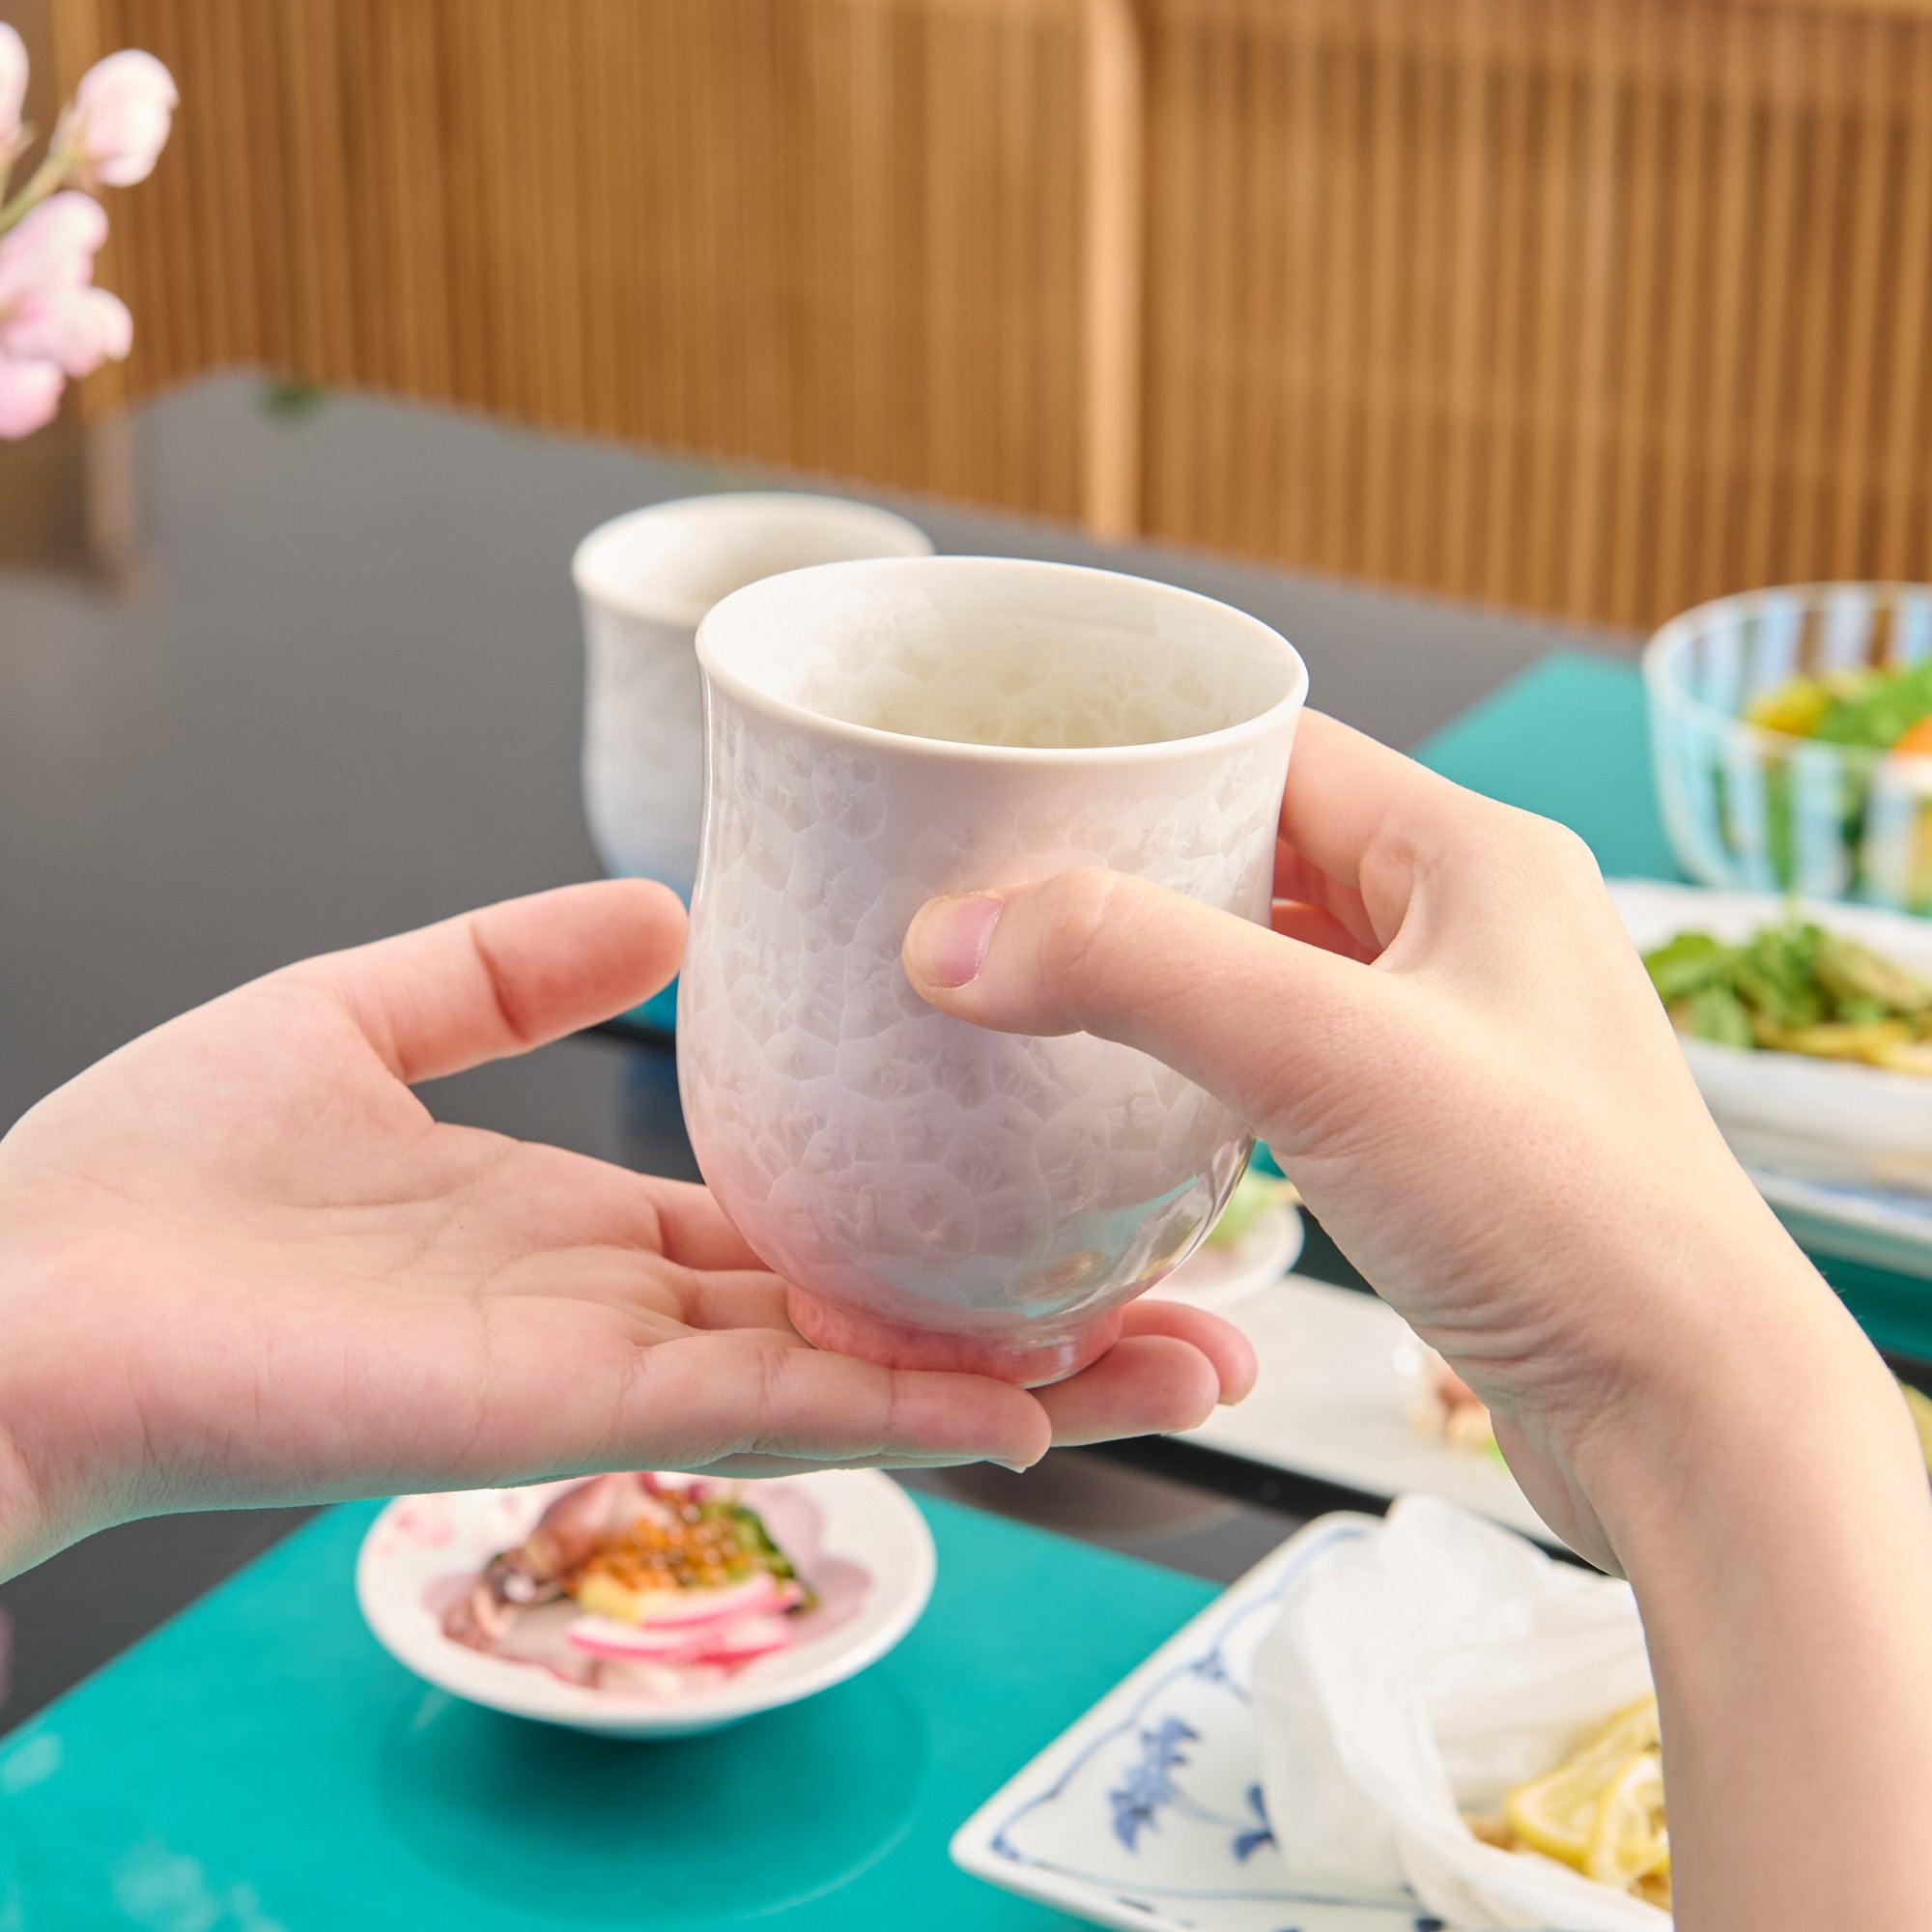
{"points": [[1337, 1384]]}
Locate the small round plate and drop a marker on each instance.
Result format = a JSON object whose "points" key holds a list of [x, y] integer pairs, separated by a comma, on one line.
{"points": [[419, 1543], [1220, 1277]]}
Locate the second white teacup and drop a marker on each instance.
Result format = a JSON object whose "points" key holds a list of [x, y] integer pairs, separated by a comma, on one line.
{"points": [[644, 580]]}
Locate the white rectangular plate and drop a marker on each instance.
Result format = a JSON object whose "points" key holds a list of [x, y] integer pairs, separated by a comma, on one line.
{"points": [[1332, 1401], [1842, 1152], [1146, 1814]]}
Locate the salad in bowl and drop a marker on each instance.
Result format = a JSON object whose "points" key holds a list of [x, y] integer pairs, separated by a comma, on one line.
{"points": [[1791, 733]]}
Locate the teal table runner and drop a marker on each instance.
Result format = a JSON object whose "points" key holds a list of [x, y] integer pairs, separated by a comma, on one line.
{"points": [[659, 1011], [1567, 739], [260, 1765]]}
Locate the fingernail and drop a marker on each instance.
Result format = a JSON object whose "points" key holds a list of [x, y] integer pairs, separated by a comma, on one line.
{"points": [[1018, 1468], [945, 945]]}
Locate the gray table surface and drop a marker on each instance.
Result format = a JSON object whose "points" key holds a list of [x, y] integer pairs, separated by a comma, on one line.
{"points": [[342, 697]]}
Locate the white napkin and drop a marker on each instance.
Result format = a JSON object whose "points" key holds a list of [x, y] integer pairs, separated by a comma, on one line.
{"points": [[1416, 1674]]}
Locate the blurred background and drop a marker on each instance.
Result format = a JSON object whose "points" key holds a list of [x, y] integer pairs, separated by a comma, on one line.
{"points": [[1593, 308]]}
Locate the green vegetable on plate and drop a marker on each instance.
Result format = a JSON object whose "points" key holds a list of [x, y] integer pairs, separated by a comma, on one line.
{"points": [[1797, 988]]}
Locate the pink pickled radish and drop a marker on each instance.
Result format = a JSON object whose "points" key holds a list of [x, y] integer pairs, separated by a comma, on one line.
{"points": [[715, 1643], [746, 1638], [754, 1596], [606, 1636]]}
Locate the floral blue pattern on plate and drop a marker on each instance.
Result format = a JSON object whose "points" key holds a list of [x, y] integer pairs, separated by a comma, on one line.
{"points": [[1147, 1813]]}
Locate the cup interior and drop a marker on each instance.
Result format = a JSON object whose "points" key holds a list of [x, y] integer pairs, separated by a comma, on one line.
{"points": [[999, 651], [671, 562]]}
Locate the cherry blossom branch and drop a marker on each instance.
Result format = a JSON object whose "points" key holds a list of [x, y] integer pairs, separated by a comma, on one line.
{"points": [[54, 325]]}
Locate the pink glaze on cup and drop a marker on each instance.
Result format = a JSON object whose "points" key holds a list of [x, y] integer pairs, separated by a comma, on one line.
{"points": [[1032, 1363]]}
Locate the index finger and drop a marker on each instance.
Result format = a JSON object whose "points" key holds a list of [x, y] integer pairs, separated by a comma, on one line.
{"points": [[1365, 816], [505, 979]]}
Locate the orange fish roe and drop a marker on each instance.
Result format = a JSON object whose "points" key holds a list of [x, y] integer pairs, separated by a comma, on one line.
{"points": [[693, 1551]]}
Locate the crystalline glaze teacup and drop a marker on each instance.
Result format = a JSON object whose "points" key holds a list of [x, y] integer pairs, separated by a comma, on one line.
{"points": [[876, 732]]}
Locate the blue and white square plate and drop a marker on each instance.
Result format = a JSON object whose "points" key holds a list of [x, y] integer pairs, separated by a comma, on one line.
{"points": [[1147, 1813]]}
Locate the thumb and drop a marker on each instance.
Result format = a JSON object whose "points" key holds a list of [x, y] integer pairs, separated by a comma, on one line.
{"points": [[1252, 1017]]}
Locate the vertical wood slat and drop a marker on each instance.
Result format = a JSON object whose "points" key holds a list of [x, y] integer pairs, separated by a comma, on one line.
{"points": [[1415, 438], [1664, 540], [1903, 540], [1873, 199], [1450, 560], [1111, 226], [1498, 430], [1596, 296], [1627, 473]]}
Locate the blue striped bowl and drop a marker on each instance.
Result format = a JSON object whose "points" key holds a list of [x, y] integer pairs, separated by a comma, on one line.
{"points": [[1763, 811]]}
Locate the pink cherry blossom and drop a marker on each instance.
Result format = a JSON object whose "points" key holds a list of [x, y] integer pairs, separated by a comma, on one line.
{"points": [[53, 323], [121, 112], [13, 90], [30, 395], [78, 329], [51, 246]]}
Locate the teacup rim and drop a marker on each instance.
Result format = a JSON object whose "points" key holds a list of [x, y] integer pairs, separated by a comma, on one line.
{"points": [[965, 751], [688, 614]]}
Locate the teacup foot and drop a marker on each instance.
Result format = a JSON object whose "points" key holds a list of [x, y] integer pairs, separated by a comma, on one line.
{"points": [[895, 1344]]}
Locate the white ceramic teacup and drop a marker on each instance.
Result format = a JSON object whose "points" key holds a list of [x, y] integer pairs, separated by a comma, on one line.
{"points": [[942, 1196], [644, 580]]}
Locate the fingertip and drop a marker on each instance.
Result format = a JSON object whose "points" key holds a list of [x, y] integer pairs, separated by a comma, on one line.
{"points": [[946, 944], [507, 977], [1234, 1362], [1191, 1383], [629, 935], [654, 913], [977, 1417], [1228, 1350], [1239, 1384], [1147, 1384], [651, 896]]}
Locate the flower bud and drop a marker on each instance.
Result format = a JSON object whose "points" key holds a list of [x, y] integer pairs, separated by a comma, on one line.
{"points": [[121, 116], [13, 90]]}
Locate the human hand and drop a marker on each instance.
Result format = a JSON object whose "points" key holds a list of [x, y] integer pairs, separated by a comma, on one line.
{"points": [[239, 1261], [1453, 1048]]}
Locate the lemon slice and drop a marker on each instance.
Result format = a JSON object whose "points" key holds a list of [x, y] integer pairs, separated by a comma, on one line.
{"points": [[1921, 1407], [1556, 1814], [1628, 1841]]}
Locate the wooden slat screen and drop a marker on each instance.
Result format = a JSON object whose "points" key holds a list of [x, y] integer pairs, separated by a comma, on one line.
{"points": [[844, 236], [1588, 306]]}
